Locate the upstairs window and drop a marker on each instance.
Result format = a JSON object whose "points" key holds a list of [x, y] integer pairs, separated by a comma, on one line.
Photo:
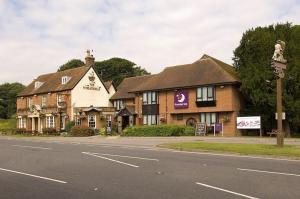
{"points": [[206, 93], [118, 104], [58, 99], [44, 100], [150, 97], [29, 102], [65, 79], [37, 84]]}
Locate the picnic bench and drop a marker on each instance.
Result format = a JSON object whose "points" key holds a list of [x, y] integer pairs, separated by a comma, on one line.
{"points": [[273, 132]]}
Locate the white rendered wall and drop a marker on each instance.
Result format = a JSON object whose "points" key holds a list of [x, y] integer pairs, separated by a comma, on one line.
{"points": [[81, 97]]}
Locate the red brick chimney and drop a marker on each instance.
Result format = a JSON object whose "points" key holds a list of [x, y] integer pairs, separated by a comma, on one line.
{"points": [[89, 59]]}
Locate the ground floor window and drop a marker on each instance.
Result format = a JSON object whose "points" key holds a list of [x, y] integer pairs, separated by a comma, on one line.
{"points": [[92, 121], [150, 119], [22, 122], [209, 118], [77, 121], [50, 121]]}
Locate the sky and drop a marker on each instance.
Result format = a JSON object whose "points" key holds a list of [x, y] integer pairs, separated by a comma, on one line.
{"points": [[37, 36]]}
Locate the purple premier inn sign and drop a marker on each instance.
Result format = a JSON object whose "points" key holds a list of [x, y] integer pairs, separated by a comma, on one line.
{"points": [[181, 99]]}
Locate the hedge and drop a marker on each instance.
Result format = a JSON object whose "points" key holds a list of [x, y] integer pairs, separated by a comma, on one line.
{"points": [[159, 130], [79, 131], [50, 131]]}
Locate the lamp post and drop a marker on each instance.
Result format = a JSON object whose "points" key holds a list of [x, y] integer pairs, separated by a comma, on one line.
{"points": [[279, 64]]}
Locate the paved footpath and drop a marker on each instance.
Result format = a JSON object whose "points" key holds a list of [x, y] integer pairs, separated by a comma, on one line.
{"points": [[129, 168]]}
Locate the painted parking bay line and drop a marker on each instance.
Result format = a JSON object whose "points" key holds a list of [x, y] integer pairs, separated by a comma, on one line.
{"points": [[31, 175], [32, 147], [92, 154], [224, 190], [125, 156], [269, 172]]}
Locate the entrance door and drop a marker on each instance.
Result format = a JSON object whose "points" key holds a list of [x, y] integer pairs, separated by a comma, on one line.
{"points": [[62, 122], [36, 124], [125, 121]]}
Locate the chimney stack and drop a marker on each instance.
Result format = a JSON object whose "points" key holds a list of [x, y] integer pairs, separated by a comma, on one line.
{"points": [[89, 59]]}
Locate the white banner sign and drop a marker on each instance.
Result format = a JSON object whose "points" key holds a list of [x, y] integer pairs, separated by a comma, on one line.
{"points": [[248, 122]]}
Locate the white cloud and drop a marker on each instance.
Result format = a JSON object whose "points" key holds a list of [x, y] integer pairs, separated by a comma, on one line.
{"points": [[37, 36]]}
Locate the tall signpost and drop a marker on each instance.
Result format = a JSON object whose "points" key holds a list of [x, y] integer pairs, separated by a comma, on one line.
{"points": [[279, 64]]}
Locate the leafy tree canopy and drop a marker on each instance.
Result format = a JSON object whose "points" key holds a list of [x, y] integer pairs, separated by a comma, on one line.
{"points": [[252, 59], [114, 69], [8, 94], [73, 63]]}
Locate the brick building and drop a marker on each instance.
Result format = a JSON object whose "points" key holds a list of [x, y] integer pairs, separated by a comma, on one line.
{"points": [[78, 94], [205, 91]]}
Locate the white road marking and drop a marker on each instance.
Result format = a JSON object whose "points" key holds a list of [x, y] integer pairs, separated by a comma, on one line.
{"points": [[124, 156], [270, 172], [233, 155], [220, 189], [91, 154], [35, 176], [32, 147]]}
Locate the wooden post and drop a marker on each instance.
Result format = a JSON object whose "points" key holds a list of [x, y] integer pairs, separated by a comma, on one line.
{"points": [[279, 114]]}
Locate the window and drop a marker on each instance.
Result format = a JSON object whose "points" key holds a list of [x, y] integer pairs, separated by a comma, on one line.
{"points": [[22, 122], [77, 121], [150, 97], [150, 119], [50, 121], [92, 121], [179, 116], [209, 118], [44, 100], [29, 102], [206, 93], [65, 79], [58, 98], [38, 84], [118, 104]]}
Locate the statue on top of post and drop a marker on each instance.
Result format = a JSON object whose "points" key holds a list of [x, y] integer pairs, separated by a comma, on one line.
{"points": [[278, 53]]}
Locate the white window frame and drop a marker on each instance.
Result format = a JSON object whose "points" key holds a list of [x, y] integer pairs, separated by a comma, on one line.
{"points": [[150, 97], [89, 120], [29, 102], [77, 121], [209, 118], [44, 101], [206, 93], [37, 84], [22, 122], [65, 79], [150, 119], [50, 122], [58, 98]]}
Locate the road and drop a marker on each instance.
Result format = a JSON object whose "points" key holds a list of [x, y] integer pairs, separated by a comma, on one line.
{"points": [[57, 169]]}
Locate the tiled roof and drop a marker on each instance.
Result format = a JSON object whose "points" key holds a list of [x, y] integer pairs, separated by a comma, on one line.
{"points": [[127, 84], [52, 82], [205, 71]]}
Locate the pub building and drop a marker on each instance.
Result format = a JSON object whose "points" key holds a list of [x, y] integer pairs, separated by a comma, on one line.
{"points": [[206, 91], [77, 94]]}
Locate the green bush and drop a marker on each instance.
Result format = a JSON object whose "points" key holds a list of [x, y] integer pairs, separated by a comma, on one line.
{"points": [[79, 131], [69, 126], [160, 130], [50, 131]]}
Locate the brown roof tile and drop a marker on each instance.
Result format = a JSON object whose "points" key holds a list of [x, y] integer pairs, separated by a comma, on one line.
{"points": [[127, 84], [205, 71], [52, 81]]}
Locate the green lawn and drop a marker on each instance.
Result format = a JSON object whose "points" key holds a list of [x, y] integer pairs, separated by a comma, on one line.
{"points": [[7, 124], [244, 149]]}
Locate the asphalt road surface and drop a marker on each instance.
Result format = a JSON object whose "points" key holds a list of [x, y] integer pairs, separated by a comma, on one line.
{"points": [[57, 169]]}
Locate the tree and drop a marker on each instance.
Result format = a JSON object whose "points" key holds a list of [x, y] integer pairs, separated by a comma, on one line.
{"points": [[252, 59], [116, 69], [73, 63], [8, 95]]}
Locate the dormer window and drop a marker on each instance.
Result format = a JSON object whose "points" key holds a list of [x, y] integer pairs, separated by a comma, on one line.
{"points": [[38, 84], [65, 79]]}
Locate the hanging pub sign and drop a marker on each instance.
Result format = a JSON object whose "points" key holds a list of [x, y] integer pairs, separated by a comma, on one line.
{"points": [[181, 99]]}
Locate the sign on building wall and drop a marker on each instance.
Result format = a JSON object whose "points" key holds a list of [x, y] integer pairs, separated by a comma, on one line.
{"points": [[91, 85], [248, 122], [181, 99]]}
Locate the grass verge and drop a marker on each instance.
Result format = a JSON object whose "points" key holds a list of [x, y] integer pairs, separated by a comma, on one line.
{"points": [[243, 149]]}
